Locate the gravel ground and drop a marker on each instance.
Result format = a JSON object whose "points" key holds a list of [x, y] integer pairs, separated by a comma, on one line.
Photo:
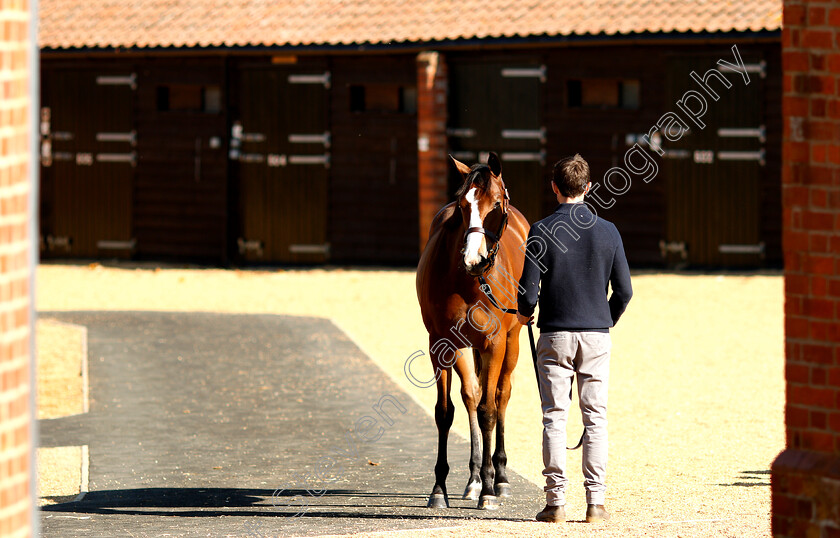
{"points": [[59, 394], [59, 369], [696, 396], [60, 474], [576, 527]]}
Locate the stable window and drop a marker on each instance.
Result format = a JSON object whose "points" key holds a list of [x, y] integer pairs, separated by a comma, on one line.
{"points": [[383, 98], [189, 98], [602, 93]]}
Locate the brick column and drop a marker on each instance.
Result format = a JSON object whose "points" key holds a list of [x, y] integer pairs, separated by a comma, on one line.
{"points": [[806, 476], [16, 510], [431, 138]]}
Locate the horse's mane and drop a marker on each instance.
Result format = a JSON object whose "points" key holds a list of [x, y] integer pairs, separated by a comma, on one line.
{"points": [[479, 175]]}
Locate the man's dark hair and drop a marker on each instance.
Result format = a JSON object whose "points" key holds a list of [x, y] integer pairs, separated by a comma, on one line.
{"points": [[571, 174]]}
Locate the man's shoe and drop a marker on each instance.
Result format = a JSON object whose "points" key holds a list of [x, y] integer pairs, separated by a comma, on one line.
{"points": [[596, 513], [552, 514]]}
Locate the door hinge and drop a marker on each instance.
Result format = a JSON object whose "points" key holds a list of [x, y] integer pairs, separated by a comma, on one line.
{"points": [[250, 245], [742, 156], [525, 72], [460, 132], [759, 132], [675, 247], [310, 159], [109, 244], [323, 248], [525, 134], [742, 249], [524, 156], [118, 80], [59, 242], [321, 78], [323, 138], [130, 158], [130, 137]]}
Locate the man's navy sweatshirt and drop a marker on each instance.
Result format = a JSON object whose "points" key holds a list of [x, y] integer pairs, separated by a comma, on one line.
{"points": [[571, 257]]}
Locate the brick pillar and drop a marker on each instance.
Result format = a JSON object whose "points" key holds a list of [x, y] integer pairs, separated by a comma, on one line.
{"points": [[806, 476], [431, 138], [16, 507]]}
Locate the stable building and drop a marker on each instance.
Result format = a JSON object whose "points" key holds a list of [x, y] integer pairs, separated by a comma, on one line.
{"points": [[318, 132]]}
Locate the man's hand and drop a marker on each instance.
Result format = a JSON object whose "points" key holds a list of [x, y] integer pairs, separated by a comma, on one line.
{"points": [[523, 319]]}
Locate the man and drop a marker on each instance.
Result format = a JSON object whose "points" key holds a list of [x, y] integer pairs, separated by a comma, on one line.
{"points": [[571, 256]]}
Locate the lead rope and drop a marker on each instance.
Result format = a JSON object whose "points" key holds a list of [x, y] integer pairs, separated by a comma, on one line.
{"points": [[485, 287]]}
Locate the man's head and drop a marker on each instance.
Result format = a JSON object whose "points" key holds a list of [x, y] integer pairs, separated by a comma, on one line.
{"points": [[570, 176]]}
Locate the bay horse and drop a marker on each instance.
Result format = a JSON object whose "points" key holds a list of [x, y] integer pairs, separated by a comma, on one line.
{"points": [[474, 239]]}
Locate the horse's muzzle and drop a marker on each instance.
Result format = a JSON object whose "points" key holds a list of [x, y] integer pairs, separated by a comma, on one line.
{"points": [[478, 269]]}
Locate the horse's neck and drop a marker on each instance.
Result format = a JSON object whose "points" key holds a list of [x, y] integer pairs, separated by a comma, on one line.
{"points": [[448, 238], [447, 259]]}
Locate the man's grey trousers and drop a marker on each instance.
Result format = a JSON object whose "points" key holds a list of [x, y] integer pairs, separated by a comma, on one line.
{"points": [[561, 355]]}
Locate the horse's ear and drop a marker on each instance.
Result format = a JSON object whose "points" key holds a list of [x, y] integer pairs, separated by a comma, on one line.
{"points": [[461, 167], [495, 164]]}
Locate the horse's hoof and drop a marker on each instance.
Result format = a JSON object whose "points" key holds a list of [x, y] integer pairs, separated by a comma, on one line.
{"points": [[438, 500], [488, 502], [502, 489], [472, 491]]}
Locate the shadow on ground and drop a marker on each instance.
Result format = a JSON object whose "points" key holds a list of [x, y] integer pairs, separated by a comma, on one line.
{"points": [[189, 409], [749, 479], [201, 502]]}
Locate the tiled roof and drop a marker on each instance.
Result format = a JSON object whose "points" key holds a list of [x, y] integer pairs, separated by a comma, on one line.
{"points": [[217, 23]]}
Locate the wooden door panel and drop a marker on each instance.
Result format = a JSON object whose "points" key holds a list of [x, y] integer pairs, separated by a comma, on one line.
{"points": [[89, 174], [497, 106], [713, 173], [283, 166], [524, 183], [182, 176]]}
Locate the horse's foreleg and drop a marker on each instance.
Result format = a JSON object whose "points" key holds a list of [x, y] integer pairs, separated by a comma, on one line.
{"points": [[471, 393], [487, 417], [502, 486], [444, 413]]}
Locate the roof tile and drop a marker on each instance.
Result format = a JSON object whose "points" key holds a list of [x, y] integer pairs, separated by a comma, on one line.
{"points": [[203, 23]]}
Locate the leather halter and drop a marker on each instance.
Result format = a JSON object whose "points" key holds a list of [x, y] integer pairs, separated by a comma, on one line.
{"points": [[496, 238]]}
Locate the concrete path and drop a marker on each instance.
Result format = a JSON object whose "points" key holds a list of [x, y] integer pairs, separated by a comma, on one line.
{"points": [[250, 425]]}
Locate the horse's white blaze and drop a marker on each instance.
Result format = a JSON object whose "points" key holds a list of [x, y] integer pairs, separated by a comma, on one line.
{"points": [[472, 252]]}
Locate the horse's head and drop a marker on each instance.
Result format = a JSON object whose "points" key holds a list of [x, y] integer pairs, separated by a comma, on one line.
{"points": [[483, 202]]}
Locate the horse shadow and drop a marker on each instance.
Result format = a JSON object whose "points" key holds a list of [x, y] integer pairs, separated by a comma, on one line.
{"points": [[291, 503]]}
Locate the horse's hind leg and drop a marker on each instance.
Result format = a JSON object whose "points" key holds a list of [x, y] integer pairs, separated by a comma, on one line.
{"points": [[444, 413], [502, 486], [471, 393]]}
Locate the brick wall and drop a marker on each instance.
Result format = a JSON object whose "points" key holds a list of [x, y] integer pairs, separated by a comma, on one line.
{"points": [[15, 431], [431, 138], [806, 476]]}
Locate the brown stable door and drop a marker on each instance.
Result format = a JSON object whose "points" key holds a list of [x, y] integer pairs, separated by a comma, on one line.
{"points": [[281, 147], [88, 161], [714, 172], [180, 197], [497, 107]]}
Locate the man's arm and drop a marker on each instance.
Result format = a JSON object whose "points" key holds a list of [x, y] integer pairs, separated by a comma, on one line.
{"points": [[622, 290], [529, 282]]}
